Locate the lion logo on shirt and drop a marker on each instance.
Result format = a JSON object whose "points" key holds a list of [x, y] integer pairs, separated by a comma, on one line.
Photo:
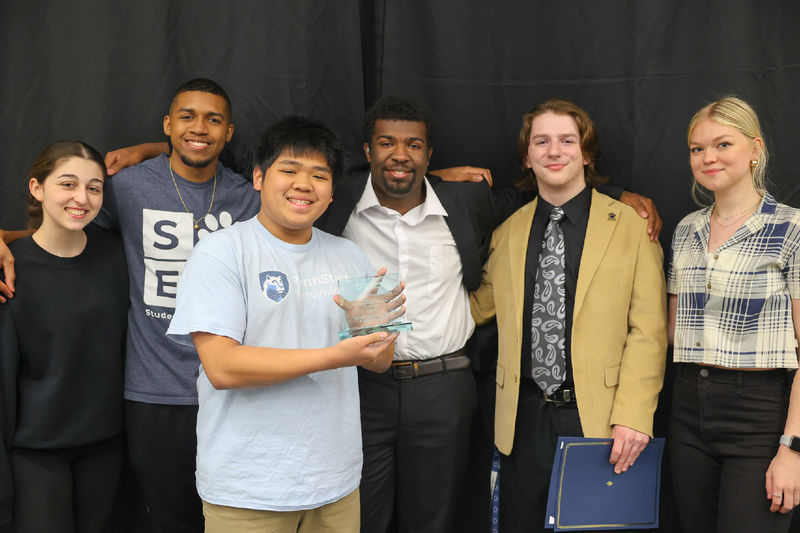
{"points": [[274, 285]]}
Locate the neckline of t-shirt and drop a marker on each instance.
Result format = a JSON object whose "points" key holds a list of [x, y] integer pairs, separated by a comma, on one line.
{"points": [[289, 247], [181, 181], [55, 260]]}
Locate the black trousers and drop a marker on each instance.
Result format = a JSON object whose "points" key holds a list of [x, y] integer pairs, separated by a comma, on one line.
{"points": [[474, 511], [66, 490], [416, 439], [525, 474], [723, 434], [162, 446]]}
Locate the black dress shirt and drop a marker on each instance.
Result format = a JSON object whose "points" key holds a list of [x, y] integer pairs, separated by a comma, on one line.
{"points": [[576, 218]]}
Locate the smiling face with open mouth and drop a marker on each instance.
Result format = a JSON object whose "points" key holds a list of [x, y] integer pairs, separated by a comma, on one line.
{"points": [[71, 195], [398, 154], [295, 190], [198, 126]]}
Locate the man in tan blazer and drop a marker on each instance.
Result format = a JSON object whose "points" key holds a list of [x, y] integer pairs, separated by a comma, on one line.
{"points": [[611, 305]]}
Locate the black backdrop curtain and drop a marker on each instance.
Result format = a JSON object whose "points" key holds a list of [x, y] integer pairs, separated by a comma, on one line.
{"points": [[103, 71]]}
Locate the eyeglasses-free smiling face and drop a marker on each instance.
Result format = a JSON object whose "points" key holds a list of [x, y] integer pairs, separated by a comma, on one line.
{"points": [[71, 196], [398, 154], [295, 190], [720, 157], [555, 156], [198, 126]]}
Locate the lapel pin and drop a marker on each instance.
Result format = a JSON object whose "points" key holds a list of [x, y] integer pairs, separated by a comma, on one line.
{"points": [[612, 216]]}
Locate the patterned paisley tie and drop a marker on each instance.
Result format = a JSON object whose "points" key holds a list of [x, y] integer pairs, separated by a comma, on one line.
{"points": [[549, 309]]}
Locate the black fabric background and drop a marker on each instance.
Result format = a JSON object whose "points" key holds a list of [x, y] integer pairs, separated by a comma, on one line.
{"points": [[103, 71]]}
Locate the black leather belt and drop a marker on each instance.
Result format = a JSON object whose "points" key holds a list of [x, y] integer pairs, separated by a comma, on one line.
{"points": [[414, 369], [561, 397]]}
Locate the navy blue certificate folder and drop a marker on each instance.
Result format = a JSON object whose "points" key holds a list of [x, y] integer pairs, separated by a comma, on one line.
{"points": [[586, 494]]}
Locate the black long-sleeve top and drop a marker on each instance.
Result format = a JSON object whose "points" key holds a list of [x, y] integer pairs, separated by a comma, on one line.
{"points": [[62, 341]]}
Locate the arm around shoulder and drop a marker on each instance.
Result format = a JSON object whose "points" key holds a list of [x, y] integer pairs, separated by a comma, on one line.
{"points": [[464, 173], [9, 236], [7, 262], [121, 158], [646, 209]]}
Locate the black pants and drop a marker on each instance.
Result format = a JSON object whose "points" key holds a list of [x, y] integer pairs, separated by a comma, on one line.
{"points": [[162, 445], [416, 438], [723, 434], [473, 505], [525, 474], [66, 490]]}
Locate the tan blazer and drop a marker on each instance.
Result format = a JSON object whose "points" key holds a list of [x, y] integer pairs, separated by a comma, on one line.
{"points": [[619, 338]]}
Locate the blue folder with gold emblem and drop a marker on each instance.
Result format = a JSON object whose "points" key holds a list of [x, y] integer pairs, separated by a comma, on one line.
{"points": [[586, 495]]}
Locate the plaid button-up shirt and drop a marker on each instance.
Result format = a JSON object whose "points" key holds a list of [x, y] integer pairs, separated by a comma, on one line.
{"points": [[735, 303]]}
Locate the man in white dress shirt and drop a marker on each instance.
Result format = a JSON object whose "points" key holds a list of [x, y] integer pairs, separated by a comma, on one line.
{"points": [[416, 416]]}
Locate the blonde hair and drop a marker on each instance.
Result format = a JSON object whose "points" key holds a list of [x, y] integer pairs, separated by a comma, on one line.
{"points": [[735, 113]]}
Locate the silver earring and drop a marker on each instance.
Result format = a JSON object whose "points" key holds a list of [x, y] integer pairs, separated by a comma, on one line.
{"points": [[754, 162]]}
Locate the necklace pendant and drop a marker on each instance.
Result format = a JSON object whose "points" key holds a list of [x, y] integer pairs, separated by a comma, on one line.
{"points": [[197, 225]]}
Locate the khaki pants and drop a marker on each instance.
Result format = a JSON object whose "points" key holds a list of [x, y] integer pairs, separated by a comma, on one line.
{"points": [[342, 516]]}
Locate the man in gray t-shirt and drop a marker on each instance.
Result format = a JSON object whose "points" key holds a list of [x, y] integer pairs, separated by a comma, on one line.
{"points": [[162, 207]]}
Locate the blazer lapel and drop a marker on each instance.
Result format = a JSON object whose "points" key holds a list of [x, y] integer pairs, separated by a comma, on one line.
{"points": [[603, 216], [460, 225], [517, 253]]}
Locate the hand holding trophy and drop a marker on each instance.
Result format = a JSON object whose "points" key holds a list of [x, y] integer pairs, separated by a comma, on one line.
{"points": [[372, 304]]}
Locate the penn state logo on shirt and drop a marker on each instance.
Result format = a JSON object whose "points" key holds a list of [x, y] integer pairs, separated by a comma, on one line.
{"points": [[274, 285]]}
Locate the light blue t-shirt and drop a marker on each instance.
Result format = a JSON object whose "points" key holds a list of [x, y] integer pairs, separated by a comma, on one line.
{"points": [[290, 446]]}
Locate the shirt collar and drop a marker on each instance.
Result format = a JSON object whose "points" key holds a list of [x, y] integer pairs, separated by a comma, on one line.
{"points": [[575, 208], [767, 207], [431, 205]]}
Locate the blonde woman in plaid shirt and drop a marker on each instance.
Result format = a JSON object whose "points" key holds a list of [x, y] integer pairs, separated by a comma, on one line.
{"points": [[734, 314]]}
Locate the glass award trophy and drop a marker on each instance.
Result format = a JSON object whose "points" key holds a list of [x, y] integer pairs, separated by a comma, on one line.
{"points": [[372, 304]]}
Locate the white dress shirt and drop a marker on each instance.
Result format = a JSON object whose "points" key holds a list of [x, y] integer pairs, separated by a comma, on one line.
{"points": [[420, 247]]}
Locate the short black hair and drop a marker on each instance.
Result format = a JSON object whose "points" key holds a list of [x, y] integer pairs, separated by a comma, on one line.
{"points": [[398, 108], [299, 135], [204, 85]]}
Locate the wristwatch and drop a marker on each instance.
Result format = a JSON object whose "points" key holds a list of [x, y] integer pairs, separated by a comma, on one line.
{"points": [[791, 441]]}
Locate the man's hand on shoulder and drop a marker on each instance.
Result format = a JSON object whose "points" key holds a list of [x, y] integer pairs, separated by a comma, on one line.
{"points": [[646, 209], [628, 444], [464, 173], [7, 266], [129, 156]]}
